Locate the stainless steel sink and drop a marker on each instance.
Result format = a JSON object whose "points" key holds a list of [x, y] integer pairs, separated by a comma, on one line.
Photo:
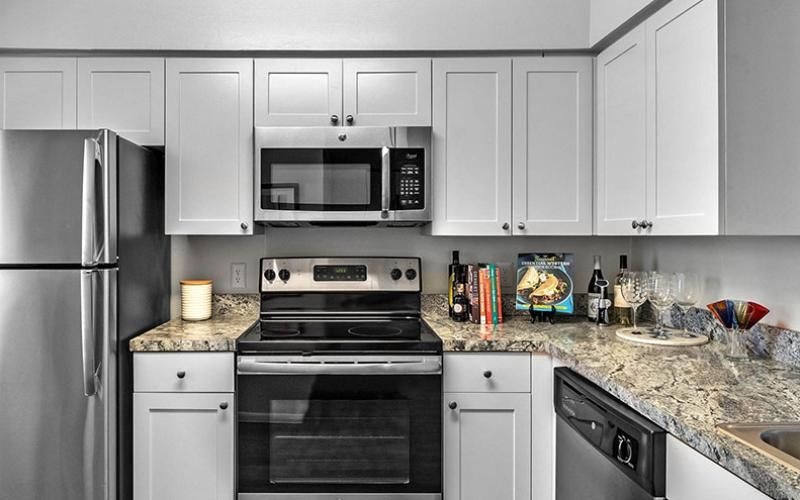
{"points": [[779, 441]]}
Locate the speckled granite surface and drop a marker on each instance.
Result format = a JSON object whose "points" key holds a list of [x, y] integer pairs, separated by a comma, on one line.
{"points": [[687, 391], [231, 316]]}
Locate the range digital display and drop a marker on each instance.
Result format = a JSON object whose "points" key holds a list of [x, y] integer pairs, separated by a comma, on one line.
{"points": [[340, 273]]}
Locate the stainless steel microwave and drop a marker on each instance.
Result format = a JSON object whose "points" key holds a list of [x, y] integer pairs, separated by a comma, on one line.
{"points": [[342, 176]]}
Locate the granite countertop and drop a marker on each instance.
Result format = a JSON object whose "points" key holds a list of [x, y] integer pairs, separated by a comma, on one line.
{"points": [[687, 391], [232, 315]]}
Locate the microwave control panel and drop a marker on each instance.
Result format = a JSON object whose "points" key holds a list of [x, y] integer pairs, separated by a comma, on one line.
{"points": [[408, 179]]}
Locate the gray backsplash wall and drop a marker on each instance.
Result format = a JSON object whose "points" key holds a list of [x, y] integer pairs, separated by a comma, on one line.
{"points": [[210, 257], [760, 268]]}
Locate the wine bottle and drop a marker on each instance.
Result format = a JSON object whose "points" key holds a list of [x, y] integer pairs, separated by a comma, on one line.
{"points": [[622, 310], [596, 293], [460, 298], [451, 269]]}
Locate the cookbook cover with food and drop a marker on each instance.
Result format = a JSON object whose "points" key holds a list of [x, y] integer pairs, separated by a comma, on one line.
{"points": [[544, 280]]}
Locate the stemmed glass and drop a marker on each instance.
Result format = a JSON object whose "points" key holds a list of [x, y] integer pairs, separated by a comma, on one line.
{"points": [[688, 289], [633, 285], [661, 293]]}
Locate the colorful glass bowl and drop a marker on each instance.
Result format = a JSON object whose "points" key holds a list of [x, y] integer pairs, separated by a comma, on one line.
{"points": [[741, 314]]}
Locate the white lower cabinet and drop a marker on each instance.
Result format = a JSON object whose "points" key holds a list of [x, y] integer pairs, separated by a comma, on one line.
{"points": [[487, 432], [487, 445], [183, 442], [691, 476]]}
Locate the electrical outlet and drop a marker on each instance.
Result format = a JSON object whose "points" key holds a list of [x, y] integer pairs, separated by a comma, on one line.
{"points": [[238, 271]]}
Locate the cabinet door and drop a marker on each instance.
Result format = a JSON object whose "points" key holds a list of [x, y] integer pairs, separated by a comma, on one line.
{"points": [[183, 446], [552, 175], [621, 180], [209, 146], [125, 94], [471, 147], [683, 106], [298, 92], [387, 92], [487, 446], [691, 476], [37, 93]]}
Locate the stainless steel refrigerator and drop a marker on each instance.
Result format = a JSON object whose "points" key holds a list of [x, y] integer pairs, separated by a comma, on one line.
{"points": [[84, 266]]}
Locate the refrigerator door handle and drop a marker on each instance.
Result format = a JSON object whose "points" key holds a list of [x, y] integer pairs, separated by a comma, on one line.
{"points": [[91, 155], [87, 332]]}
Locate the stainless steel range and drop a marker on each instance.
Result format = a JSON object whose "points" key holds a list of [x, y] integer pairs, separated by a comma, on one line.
{"points": [[340, 384]]}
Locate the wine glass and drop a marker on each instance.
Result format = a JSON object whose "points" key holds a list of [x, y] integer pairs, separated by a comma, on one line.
{"points": [[688, 289], [633, 285], [661, 293]]}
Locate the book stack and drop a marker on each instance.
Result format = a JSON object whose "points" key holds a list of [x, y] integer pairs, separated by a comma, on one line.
{"points": [[485, 295]]}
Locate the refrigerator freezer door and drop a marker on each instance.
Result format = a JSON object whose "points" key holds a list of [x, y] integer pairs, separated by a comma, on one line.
{"points": [[57, 443], [57, 197]]}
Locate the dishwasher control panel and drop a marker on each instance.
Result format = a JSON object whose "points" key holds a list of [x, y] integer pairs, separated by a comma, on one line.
{"points": [[626, 449]]}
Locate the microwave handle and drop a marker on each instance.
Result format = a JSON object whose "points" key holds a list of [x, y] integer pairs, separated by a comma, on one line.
{"points": [[386, 179]]}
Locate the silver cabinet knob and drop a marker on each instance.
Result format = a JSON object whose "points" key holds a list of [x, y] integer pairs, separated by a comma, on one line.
{"points": [[349, 119], [244, 226], [635, 224], [334, 119], [521, 225], [342, 137], [452, 405], [506, 226], [223, 405], [646, 224], [181, 374]]}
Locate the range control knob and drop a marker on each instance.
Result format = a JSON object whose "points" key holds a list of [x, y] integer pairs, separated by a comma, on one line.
{"points": [[284, 275], [270, 275], [396, 274], [411, 273]]}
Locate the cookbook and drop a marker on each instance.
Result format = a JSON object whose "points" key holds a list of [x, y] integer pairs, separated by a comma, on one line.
{"points": [[545, 281]]}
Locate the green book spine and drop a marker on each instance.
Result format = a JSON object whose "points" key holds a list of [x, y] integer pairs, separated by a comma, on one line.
{"points": [[493, 285]]}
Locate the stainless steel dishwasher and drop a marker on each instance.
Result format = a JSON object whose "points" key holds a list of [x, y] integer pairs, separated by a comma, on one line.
{"points": [[604, 449]]}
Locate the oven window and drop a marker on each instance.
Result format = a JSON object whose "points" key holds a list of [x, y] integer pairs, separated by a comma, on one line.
{"points": [[321, 179], [307, 434], [339, 442]]}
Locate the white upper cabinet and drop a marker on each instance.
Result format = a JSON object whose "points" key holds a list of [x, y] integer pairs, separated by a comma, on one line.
{"points": [[298, 92], [471, 147], [552, 174], [209, 146], [658, 126], [393, 92], [123, 94], [333, 92], [621, 157], [37, 93], [683, 106]]}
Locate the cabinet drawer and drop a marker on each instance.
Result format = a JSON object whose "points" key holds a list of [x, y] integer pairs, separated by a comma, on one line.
{"points": [[183, 372], [489, 372]]}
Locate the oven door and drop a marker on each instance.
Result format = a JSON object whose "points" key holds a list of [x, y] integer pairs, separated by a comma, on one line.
{"points": [[322, 174], [319, 427]]}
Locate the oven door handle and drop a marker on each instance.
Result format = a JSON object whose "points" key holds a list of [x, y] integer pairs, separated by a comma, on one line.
{"points": [[426, 366]]}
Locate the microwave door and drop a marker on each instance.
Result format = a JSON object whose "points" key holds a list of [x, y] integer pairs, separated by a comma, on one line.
{"points": [[322, 184]]}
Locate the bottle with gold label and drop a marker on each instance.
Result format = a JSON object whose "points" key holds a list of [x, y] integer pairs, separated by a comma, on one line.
{"points": [[622, 310]]}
